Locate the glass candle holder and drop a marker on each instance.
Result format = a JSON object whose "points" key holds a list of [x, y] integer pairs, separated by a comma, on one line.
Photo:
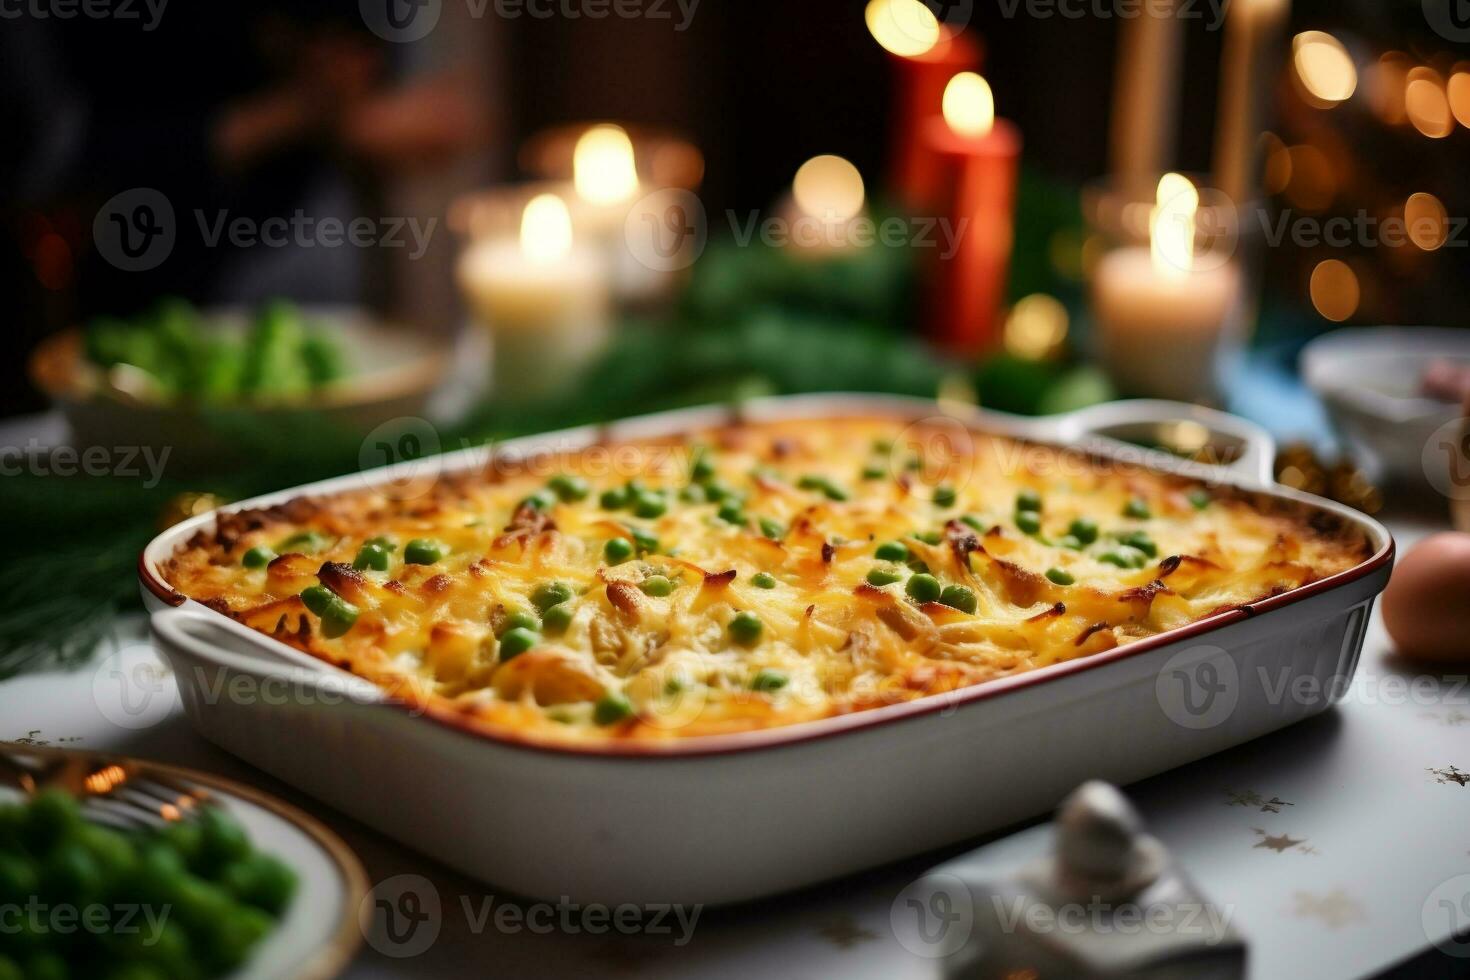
{"points": [[1168, 286]]}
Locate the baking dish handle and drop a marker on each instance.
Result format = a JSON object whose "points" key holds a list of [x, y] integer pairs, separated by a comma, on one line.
{"points": [[1253, 451], [202, 637]]}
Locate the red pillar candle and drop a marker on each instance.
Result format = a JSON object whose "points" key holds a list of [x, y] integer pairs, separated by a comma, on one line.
{"points": [[978, 159], [919, 82]]}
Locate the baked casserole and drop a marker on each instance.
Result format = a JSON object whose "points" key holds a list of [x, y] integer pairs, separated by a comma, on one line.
{"points": [[748, 576]]}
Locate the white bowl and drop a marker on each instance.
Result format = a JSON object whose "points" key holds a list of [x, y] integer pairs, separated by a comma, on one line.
{"points": [[1369, 379]]}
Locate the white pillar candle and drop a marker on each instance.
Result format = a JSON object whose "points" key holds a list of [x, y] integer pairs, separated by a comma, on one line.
{"points": [[544, 299], [1162, 317], [1253, 34], [1146, 94]]}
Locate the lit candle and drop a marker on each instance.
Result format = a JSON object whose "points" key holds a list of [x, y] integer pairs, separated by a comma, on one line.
{"points": [[543, 298], [1253, 34], [1161, 314], [608, 189], [827, 200], [978, 156], [925, 55]]}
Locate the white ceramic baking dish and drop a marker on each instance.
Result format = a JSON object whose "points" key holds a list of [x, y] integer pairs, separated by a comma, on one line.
{"points": [[728, 818]]}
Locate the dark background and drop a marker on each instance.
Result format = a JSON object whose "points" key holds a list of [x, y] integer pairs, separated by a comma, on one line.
{"points": [[93, 107]]}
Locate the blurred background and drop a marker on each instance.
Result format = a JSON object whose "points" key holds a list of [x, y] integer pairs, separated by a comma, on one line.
{"points": [[270, 241]]}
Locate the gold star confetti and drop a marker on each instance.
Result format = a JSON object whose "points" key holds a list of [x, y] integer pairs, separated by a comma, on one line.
{"points": [[1281, 843], [1252, 798], [844, 933], [1336, 908], [1450, 775]]}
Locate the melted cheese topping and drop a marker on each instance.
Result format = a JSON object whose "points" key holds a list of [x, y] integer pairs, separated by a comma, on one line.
{"points": [[755, 595]]}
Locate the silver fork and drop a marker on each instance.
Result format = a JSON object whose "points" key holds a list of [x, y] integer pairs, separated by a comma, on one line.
{"points": [[124, 793]]}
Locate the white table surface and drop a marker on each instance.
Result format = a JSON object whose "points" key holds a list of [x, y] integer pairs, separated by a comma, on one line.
{"points": [[1332, 843]]}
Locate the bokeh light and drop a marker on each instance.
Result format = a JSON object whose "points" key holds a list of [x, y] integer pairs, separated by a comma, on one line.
{"points": [[1324, 68], [1427, 221], [903, 27], [830, 188], [1335, 290]]}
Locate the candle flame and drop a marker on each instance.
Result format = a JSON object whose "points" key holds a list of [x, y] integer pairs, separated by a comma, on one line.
{"points": [[1171, 226], [829, 188], [903, 27], [604, 169], [546, 228], [969, 105]]}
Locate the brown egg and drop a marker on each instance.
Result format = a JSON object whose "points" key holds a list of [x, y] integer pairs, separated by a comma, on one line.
{"points": [[1426, 606]]}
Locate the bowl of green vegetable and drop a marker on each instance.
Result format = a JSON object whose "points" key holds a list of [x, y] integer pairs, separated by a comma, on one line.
{"points": [[226, 385], [239, 885]]}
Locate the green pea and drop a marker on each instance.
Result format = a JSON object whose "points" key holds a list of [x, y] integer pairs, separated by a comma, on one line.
{"points": [[928, 537], [763, 580], [882, 446], [717, 491], [258, 557], [823, 485], [617, 550], [1028, 500], [520, 619], [540, 500], [959, 597], [645, 542], [516, 642], [305, 543], [1124, 557], [18, 877], [611, 709], [974, 523], [423, 551], [657, 586], [892, 551], [222, 839], [52, 815], [1028, 522], [768, 681], [1199, 499], [649, 504], [745, 628], [337, 614], [1141, 541], [702, 468], [771, 529], [558, 618], [923, 588], [261, 880], [40, 966], [874, 472], [945, 496], [693, 494], [732, 514], [614, 499], [550, 594], [384, 542], [1060, 576], [880, 577], [372, 556], [1069, 542], [1137, 508], [1083, 529], [568, 488]]}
